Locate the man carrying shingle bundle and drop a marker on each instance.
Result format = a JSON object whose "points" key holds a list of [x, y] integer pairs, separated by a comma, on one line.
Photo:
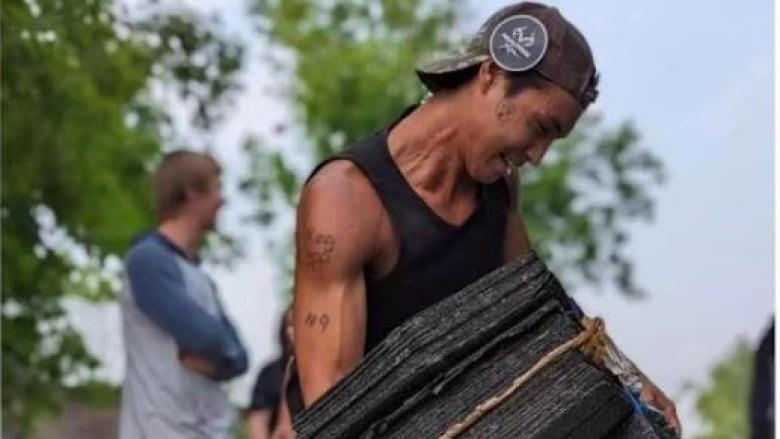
{"points": [[416, 212]]}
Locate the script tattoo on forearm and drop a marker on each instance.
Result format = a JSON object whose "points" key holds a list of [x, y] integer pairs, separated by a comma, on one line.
{"points": [[314, 320], [318, 247]]}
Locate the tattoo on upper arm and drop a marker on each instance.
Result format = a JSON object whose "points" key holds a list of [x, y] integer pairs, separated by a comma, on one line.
{"points": [[314, 320], [318, 248]]}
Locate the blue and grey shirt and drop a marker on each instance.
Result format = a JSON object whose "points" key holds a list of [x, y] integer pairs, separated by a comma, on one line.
{"points": [[168, 303]]}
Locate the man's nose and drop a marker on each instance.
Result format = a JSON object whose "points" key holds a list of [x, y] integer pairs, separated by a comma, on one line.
{"points": [[535, 154]]}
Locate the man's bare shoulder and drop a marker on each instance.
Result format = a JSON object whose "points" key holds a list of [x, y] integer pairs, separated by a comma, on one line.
{"points": [[340, 201], [341, 183]]}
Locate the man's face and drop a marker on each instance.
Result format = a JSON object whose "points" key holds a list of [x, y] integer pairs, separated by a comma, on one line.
{"points": [[518, 129], [205, 205]]}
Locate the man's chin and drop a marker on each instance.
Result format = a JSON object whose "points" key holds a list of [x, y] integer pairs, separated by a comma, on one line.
{"points": [[488, 178], [486, 174]]}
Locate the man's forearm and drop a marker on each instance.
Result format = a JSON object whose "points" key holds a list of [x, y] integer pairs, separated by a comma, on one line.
{"points": [[158, 289], [316, 384]]}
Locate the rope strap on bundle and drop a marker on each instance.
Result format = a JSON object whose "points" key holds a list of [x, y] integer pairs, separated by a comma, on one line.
{"points": [[591, 341]]}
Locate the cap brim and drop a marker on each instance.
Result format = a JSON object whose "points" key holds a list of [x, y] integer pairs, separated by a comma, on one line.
{"points": [[431, 74]]}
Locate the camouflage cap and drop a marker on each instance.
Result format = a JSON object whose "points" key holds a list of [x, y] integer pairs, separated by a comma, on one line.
{"points": [[525, 37]]}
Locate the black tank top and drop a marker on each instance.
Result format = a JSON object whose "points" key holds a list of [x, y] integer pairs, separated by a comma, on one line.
{"points": [[436, 259]]}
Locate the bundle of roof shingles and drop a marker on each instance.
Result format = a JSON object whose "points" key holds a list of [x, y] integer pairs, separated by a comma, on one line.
{"points": [[432, 371]]}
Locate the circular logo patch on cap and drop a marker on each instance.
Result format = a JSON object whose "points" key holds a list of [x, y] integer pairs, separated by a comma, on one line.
{"points": [[518, 43]]}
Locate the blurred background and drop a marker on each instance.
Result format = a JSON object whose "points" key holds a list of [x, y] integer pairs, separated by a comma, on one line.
{"points": [[657, 212]]}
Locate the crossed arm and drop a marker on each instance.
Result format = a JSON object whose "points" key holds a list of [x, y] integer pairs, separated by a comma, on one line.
{"points": [[208, 344]]}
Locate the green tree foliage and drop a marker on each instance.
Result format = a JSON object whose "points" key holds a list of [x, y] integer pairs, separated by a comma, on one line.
{"points": [[351, 63], [723, 403], [80, 130], [577, 205]]}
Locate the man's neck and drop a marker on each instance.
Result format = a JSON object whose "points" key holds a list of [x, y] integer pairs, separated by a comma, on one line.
{"points": [[184, 233], [426, 147]]}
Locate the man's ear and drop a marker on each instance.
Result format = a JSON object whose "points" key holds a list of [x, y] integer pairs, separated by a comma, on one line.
{"points": [[189, 194], [489, 75]]}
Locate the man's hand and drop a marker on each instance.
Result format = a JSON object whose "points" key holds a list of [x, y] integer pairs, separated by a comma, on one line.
{"points": [[655, 397], [197, 364]]}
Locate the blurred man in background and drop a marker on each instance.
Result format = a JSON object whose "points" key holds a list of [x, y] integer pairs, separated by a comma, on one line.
{"points": [[180, 345]]}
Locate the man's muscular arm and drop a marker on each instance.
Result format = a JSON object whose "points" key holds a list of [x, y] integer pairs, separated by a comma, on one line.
{"points": [[336, 222]]}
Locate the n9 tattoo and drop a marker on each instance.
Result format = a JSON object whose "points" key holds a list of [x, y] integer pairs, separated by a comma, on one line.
{"points": [[314, 320]]}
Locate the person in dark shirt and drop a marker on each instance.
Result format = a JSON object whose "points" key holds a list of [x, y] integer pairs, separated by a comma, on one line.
{"points": [[762, 398], [429, 204], [267, 415]]}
